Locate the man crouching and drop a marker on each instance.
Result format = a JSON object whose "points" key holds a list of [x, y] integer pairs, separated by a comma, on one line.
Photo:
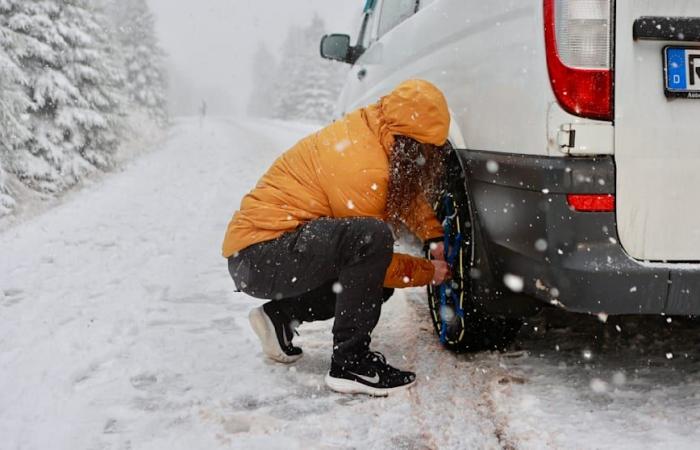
{"points": [[315, 235]]}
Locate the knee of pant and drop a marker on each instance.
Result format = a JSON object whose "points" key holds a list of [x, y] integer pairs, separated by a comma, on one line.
{"points": [[376, 234]]}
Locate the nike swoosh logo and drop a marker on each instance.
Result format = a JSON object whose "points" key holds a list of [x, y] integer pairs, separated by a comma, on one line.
{"points": [[287, 342], [373, 380]]}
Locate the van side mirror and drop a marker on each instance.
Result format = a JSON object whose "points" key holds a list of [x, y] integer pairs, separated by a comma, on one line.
{"points": [[337, 48]]}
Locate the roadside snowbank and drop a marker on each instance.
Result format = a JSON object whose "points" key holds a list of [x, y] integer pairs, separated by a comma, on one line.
{"points": [[142, 135]]}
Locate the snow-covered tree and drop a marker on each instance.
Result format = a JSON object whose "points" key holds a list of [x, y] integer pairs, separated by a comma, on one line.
{"points": [[68, 81], [32, 41], [261, 101], [307, 86], [13, 105], [93, 123], [71, 88], [143, 59]]}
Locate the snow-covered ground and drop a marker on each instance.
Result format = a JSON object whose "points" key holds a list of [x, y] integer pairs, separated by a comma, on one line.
{"points": [[119, 329]]}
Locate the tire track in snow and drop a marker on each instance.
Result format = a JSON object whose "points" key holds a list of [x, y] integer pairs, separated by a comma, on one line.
{"points": [[453, 399]]}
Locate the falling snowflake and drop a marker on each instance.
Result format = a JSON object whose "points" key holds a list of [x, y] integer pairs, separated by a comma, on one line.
{"points": [[447, 313], [619, 378], [351, 205], [492, 166], [514, 282], [541, 245], [599, 386], [337, 287], [342, 145]]}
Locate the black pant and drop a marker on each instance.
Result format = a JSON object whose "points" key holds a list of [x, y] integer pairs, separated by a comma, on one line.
{"points": [[326, 268]]}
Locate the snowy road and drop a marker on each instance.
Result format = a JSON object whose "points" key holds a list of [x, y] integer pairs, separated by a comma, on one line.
{"points": [[119, 330]]}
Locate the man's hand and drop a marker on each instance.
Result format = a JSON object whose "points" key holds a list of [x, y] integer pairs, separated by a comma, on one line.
{"points": [[442, 272], [437, 250]]}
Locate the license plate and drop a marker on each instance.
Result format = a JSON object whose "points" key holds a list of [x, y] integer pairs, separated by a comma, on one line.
{"points": [[682, 69]]}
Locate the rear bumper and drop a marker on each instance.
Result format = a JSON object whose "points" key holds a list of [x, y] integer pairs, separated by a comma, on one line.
{"points": [[568, 259]]}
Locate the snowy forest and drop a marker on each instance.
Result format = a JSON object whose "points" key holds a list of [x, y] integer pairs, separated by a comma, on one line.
{"points": [[302, 85], [78, 79]]}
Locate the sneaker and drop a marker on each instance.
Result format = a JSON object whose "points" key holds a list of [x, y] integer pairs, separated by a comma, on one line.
{"points": [[371, 375], [275, 336]]}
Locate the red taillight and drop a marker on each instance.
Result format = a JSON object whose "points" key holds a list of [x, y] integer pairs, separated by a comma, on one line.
{"points": [[585, 89], [591, 202]]}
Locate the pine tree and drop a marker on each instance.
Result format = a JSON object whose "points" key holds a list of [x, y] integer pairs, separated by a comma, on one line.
{"points": [[307, 86], [321, 83], [13, 105], [143, 59], [93, 124], [287, 76], [32, 41], [71, 88], [261, 101]]}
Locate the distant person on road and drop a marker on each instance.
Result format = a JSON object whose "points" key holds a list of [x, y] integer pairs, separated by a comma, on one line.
{"points": [[315, 235], [203, 111]]}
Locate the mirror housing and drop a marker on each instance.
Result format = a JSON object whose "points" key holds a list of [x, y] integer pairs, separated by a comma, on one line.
{"points": [[337, 47]]}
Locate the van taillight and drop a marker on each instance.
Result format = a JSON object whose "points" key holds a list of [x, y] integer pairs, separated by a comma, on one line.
{"points": [[578, 36], [591, 202]]}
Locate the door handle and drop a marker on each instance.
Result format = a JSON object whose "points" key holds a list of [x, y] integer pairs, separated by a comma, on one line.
{"points": [[683, 29], [361, 74]]}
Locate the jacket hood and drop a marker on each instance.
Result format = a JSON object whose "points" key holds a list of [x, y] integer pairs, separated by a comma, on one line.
{"points": [[416, 109]]}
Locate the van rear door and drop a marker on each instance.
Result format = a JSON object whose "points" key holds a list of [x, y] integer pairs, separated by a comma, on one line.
{"points": [[657, 134]]}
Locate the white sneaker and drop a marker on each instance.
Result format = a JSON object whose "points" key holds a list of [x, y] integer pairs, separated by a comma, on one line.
{"points": [[275, 337]]}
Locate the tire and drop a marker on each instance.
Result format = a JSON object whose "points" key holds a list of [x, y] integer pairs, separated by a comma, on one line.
{"points": [[459, 319]]}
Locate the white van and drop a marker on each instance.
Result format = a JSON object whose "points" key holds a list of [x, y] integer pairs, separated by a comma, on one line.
{"points": [[576, 125]]}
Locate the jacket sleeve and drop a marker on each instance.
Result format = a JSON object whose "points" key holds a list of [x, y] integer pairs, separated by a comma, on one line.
{"points": [[423, 222], [408, 271]]}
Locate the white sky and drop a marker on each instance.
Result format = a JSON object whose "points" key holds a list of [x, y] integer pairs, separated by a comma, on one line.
{"points": [[210, 43]]}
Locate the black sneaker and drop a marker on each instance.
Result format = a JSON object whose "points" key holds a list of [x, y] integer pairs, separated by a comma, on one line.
{"points": [[275, 335], [371, 375]]}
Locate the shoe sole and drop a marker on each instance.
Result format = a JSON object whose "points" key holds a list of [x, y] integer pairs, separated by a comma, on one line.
{"points": [[263, 327], [345, 386]]}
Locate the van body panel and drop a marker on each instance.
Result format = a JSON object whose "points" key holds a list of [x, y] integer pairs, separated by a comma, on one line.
{"points": [[657, 145], [498, 103]]}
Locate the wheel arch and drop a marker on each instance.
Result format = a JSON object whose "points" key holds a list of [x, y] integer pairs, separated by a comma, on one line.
{"points": [[489, 289]]}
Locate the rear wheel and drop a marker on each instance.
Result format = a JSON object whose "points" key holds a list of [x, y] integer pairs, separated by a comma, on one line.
{"points": [[459, 319]]}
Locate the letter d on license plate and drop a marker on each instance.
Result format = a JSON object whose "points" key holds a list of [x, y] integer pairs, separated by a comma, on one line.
{"points": [[682, 69]]}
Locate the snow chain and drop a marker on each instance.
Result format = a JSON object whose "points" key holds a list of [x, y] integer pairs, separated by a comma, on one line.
{"points": [[452, 246]]}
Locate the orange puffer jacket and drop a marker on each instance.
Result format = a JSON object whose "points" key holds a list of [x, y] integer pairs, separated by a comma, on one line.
{"points": [[343, 171]]}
